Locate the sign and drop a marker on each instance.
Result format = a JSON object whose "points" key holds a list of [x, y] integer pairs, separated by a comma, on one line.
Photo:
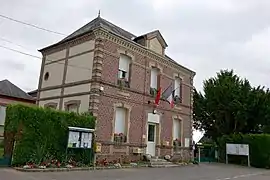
{"points": [[187, 143], [73, 139], [237, 149], [80, 137], [86, 141]]}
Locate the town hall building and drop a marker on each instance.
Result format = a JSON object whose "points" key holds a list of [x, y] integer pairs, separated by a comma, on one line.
{"points": [[107, 70]]}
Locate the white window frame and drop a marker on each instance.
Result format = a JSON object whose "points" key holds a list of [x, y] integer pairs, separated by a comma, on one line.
{"points": [[124, 67], [2, 115], [154, 77], [177, 124], [177, 86], [120, 120]]}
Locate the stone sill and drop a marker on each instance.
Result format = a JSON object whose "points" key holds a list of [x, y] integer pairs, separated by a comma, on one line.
{"points": [[123, 94], [164, 147], [177, 107], [122, 144]]}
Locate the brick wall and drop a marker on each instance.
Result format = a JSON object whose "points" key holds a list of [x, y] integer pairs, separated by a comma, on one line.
{"points": [[137, 101]]}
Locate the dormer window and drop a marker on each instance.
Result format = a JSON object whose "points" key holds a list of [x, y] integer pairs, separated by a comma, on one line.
{"points": [[153, 41]]}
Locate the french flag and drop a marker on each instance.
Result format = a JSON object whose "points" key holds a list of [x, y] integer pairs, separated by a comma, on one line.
{"points": [[168, 95]]}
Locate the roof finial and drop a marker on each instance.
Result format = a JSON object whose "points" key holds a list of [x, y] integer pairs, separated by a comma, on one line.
{"points": [[98, 13]]}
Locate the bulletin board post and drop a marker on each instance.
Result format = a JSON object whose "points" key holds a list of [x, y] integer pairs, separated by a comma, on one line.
{"points": [[238, 150], [80, 138]]}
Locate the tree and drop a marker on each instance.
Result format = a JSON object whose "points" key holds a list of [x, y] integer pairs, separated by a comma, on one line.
{"points": [[230, 105]]}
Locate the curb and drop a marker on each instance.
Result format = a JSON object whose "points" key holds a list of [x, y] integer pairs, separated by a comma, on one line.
{"points": [[76, 169], [96, 168]]}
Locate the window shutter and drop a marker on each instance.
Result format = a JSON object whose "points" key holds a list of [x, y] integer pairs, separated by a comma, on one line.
{"points": [[124, 62], [130, 71], [176, 129], [120, 120], [158, 80], [2, 115], [177, 87], [181, 90], [154, 78]]}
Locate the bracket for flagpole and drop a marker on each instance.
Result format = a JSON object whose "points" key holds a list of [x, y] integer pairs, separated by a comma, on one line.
{"points": [[155, 109]]}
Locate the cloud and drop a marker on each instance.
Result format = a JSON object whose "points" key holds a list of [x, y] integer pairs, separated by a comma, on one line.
{"points": [[204, 35], [11, 64]]}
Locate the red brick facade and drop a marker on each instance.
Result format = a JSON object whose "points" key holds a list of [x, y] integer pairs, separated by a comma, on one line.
{"points": [[134, 98]]}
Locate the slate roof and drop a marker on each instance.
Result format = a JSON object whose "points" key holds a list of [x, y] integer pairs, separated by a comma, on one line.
{"points": [[100, 22], [11, 90]]}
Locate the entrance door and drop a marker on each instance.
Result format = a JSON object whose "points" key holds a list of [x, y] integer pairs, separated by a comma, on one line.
{"points": [[151, 140]]}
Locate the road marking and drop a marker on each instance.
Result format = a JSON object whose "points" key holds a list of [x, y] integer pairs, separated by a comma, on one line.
{"points": [[240, 176]]}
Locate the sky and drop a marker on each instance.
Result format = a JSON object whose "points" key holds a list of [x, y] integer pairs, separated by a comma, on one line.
{"points": [[205, 36]]}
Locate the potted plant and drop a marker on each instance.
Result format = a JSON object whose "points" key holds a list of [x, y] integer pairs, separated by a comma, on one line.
{"points": [[177, 142], [119, 137]]}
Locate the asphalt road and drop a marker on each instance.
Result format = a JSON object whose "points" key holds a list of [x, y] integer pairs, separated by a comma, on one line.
{"points": [[197, 172]]}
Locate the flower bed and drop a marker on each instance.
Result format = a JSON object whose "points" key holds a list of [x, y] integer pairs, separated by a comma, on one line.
{"points": [[34, 168]]}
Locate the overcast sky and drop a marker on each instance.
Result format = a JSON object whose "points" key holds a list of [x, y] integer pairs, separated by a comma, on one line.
{"points": [[205, 36]]}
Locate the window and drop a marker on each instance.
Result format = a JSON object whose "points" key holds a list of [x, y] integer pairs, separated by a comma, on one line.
{"points": [[46, 76], [177, 132], [73, 108], [151, 132], [2, 115], [51, 105], [124, 70], [154, 81], [178, 90], [120, 125]]}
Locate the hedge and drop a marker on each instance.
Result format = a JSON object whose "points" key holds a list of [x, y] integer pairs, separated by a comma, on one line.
{"points": [[41, 134], [259, 148]]}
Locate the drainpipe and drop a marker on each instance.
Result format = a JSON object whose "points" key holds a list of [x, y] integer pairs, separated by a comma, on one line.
{"points": [[144, 94]]}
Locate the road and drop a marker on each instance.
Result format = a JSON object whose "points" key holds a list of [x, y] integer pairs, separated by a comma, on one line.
{"points": [[196, 172]]}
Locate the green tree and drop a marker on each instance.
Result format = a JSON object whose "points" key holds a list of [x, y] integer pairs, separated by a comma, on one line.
{"points": [[230, 105]]}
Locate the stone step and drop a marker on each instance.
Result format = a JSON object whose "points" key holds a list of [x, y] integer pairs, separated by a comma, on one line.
{"points": [[163, 166], [158, 160], [155, 162], [161, 163]]}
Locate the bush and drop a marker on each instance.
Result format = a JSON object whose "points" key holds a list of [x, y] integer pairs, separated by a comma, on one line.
{"points": [[259, 149], [41, 134], [1, 143]]}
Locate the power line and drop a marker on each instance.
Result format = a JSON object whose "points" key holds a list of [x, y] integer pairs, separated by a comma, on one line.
{"points": [[14, 50], [31, 25], [37, 57], [6, 40]]}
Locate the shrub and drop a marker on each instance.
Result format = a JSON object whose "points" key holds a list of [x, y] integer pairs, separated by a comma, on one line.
{"points": [[41, 134], [259, 149]]}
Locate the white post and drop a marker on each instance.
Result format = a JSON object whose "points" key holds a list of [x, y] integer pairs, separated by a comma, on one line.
{"points": [[199, 149], [248, 161], [226, 158]]}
